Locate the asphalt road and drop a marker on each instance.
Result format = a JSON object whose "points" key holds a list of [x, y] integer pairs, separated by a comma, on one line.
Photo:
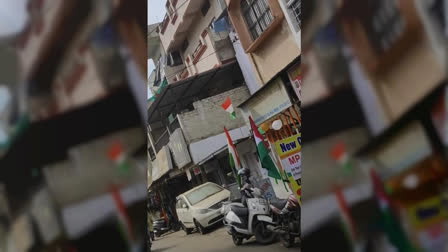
{"points": [[216, 240]]}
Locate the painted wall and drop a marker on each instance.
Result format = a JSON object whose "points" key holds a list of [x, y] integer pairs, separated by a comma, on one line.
{"points": [[275, 53]]}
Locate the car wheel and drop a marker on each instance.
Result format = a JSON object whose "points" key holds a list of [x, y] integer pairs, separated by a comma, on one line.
{"points": [[237, 240], [199, 227], [263, 235], [186, 230]]}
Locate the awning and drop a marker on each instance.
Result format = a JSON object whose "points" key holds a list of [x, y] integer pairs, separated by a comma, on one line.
{"points": [[179, 95], [204, 150]]}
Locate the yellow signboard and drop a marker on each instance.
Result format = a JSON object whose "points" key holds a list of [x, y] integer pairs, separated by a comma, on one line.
{"points": [[427, 213], [288, 150]]}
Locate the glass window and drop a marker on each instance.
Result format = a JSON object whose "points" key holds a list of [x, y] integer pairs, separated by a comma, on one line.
{"points": [[257, 15], [202, 193]]}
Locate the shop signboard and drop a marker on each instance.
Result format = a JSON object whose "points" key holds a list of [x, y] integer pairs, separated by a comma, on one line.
{"points": [[162, 164], [427, 213], [295, 77], [44, 215], [289, 152], [179, 149], [268, 102]]}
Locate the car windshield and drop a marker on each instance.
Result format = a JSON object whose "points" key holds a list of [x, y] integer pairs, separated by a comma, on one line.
{"points": [[202, 193]]}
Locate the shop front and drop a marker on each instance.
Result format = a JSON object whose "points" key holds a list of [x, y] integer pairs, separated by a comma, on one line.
{"points": [[275, 110], [410, 157]]}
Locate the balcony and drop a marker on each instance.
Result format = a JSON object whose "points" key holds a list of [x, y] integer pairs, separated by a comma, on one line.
{"points": [[177, 21]]}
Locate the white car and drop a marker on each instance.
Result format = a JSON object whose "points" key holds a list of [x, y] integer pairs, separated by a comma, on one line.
{"points": [[200, 207]]}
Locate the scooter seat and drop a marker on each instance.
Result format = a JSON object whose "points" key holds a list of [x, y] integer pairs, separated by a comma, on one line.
{"points": [[240, 211], [279, 203]]}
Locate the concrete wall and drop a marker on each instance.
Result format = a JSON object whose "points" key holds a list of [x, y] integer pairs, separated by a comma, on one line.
{"points": [[320, 172], [208, 118], [88, 172]]}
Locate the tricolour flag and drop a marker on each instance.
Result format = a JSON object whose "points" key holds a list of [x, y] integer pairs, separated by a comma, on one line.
{"points": [[227, 106], [234, 160], [340, 155], [118, 156], [345, 214], [263, 153], [391, 224], [123, 217]]}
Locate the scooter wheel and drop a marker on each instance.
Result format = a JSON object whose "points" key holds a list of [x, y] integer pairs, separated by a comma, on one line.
{"points": [[287, 241], [237, 240], [263, 235]]}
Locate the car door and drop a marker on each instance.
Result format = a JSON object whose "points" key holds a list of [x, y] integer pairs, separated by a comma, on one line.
{"points": [[187, 216]]}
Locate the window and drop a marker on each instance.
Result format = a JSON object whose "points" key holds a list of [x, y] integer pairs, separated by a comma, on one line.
{"points": [[257, 15], [202, 193], [295, 7], [205, 7], [184, 45]]}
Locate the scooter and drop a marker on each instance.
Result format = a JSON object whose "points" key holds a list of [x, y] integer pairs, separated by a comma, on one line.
{"points": [[249, 218], [287, 219]]}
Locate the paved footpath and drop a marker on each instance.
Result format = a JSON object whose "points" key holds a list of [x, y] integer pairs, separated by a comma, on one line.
{"points": [[216, 240]]}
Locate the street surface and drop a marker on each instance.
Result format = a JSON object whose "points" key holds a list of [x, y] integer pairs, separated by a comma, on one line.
{"points": [[217, 240]]}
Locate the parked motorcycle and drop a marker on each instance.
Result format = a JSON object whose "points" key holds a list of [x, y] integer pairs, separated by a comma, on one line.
{"points": [[287, 220], [249, 217], [160, 227]]}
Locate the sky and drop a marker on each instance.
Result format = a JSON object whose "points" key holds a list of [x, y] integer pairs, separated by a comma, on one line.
{"points": [[156, 12], [13, 16]]}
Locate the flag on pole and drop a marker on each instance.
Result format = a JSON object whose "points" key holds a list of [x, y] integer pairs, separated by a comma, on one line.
{"points": [[123, 217], [263, 153], [233, 157], [227, 106], [391, 224], [345, 214], [340, 155], [118, 156]]}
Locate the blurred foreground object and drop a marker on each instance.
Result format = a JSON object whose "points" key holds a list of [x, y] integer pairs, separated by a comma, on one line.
{"points": [[395, 56], [79, 87]]}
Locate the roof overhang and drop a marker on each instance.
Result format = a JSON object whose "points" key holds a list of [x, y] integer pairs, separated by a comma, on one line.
{"points": [[179, 95]]}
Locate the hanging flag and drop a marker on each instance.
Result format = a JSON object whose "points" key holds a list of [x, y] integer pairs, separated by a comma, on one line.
{"points": [[263, 153], [118, 156], [340, 155], [123, 217], [233, 158], [392, 225], [345, 214], [227, 106]]}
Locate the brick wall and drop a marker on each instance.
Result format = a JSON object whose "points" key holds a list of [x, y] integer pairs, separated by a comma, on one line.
{"points": [[208, 118]]}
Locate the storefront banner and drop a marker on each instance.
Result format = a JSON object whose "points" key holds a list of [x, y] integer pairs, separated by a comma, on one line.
{"points": [[434, 238], [427, 213], [268, 102], [44, 214], [162, 164], [179, 148], [296, 80], [288, 150]]}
